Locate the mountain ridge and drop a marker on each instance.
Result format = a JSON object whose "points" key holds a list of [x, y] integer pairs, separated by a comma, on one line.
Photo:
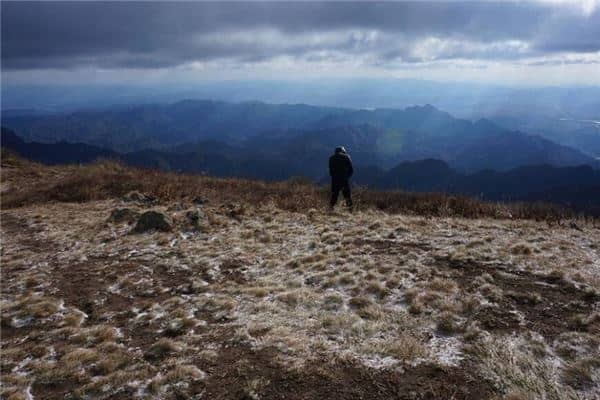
{"points": [[579, 185], [396, 135]]}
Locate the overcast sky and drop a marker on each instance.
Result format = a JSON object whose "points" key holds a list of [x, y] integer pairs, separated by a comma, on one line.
{"points": [[518, 42]]}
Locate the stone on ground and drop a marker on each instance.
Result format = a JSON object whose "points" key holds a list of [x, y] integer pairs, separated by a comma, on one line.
{"points": [[153, 221]]}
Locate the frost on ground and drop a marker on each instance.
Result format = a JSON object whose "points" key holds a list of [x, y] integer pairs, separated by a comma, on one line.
{"points": [[249, 301]]}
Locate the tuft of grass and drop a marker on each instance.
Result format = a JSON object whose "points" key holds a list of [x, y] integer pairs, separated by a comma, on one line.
{"points": [[442, 285], [416, 308], [256, 328], [105, 334], [330, 238], [161, 349], [524, 297], [181, 373], [556, 275], [448, 324], [483, 279], [405, 348], [179, 326], [74, 319], [411, 294], [333, 301], [184, 372], [257, 291], [578, 374], [43, 308], [370, 276], [359, 302], [470, 304], [377, 289], [472, 333], [77, 358], [336, 323], [347, 279], [522, 249], [291, 298], [491, 292], [392, 282], [253, 387]]}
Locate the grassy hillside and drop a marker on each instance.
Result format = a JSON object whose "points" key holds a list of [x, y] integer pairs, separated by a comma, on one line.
{"points": [[253, 291], [26, 182]]}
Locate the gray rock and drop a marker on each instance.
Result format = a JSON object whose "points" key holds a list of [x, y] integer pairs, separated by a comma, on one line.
{"points": [[193, 216], [153, 221], [199, 200]]}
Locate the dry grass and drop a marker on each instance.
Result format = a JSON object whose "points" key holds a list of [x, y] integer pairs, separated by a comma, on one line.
{"points": [[515, 368], [406, 348], [162, 348], [579, 374], [90, 308], [109, 179]]}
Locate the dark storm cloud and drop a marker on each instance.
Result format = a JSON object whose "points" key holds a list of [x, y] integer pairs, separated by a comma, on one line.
{"points": [[151, 35]]}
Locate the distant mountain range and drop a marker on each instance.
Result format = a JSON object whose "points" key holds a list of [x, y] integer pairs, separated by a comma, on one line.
{"points": [[297, 136], [462, 99], [577, 187], [580, 134], [132, 128]]}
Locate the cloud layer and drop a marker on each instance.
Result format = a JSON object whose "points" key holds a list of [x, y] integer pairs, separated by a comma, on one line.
{"points": [[124, 35]]}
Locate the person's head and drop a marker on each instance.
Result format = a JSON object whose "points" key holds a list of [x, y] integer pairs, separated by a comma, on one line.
{"points": [[340, 149]]}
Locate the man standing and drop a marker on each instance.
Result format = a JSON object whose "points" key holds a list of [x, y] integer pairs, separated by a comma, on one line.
{"points": [[340, 170]]}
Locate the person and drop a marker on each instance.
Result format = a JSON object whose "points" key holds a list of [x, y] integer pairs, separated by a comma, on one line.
{"points": [[340, 170]]}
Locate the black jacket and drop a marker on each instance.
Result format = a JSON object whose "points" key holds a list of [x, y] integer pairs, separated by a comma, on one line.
{"points": [[340, 166]]}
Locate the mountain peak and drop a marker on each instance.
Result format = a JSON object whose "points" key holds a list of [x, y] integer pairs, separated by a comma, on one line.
{"points": [[425, 108]]}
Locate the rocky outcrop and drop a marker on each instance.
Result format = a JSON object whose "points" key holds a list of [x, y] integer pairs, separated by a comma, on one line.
{"points": [[153, 221], [193, 216]]}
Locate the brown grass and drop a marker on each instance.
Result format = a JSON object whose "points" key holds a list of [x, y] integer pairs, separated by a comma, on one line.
{"points": [[579, 374], [447, 324], [162, 348], [106, 179], [406, 348]]}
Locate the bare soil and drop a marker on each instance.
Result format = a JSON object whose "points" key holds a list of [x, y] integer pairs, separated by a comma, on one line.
{"points": [[548, 304], [330, 379]]}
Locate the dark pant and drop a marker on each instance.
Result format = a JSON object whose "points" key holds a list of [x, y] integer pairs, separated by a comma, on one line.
{"points": [[343, 185]]}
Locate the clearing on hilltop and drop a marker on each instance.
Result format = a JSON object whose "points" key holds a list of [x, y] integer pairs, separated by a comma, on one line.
{"points": [[120, 283]]}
